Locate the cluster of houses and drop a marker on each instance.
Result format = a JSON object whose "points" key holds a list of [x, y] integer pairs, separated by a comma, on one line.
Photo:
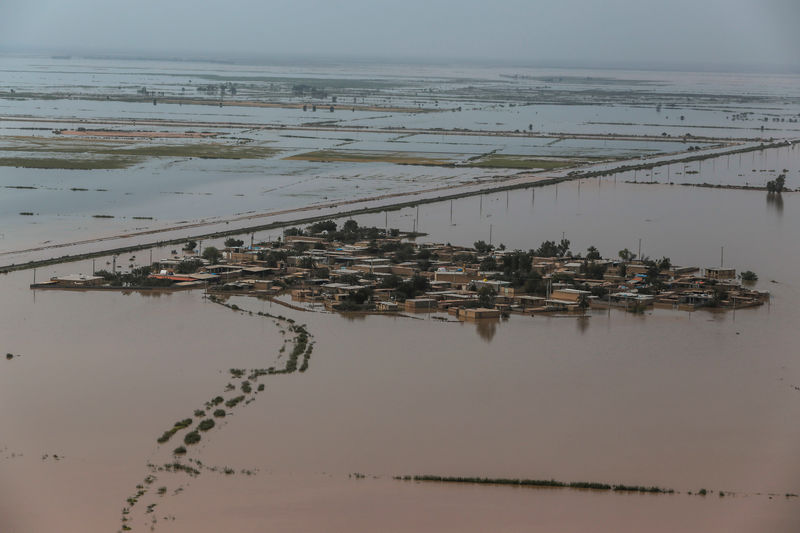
{"points": [[356, 276]]}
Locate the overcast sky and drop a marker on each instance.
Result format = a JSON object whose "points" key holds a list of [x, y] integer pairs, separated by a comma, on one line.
{"points": [[746, 33]]}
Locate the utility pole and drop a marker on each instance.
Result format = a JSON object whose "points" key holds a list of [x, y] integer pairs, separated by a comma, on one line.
{"points": [[639, 255], [490, 234], [93, 269], [721, 256]]}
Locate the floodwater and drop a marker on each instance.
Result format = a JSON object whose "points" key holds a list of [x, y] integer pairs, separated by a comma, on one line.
{"points": [[679, 400], [474, 97], [164, 192]]}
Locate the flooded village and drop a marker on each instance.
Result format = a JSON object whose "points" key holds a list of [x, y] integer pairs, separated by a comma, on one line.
{"points": [[554, 288], [375, 270]]}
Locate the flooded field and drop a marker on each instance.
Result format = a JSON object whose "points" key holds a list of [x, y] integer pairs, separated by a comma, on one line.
{"points": [[687, 401], [692, 402], [96, 147]]}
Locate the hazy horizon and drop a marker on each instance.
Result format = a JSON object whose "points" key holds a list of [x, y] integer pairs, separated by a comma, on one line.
{"points": [[735, 35]]}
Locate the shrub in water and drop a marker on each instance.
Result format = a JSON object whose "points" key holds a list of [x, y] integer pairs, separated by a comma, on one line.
{"points": [[193, 437]]}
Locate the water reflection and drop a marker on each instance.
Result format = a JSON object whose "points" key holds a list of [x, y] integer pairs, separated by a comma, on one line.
{"points": [[354, 317], [775, 202], [486, 328], [583, 323], [150, 294]]}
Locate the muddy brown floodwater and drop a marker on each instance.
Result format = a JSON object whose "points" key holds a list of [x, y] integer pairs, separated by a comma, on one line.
{"points": [[679, 400]]}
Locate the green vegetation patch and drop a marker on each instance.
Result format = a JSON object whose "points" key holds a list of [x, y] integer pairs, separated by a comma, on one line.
{"points": [[353, 156], [179, 467], [591, 485], [203, 151], [89, 154], [193, 437], [181, 424], [106, 163], [233, 402], [520, 162]]}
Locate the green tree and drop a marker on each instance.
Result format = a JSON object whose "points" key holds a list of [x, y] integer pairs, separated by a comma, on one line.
{"points": [[234, 243], [424, 254], [563, 248], [482, 248], [748, 275], [547, 249], [592, 254], [534, 283], [562, 277], [272, 257], [777, 185], [291, 232], [188, 267], [626, 255], [593, 270], [488, 264], [360, 297], [404, 252], [486, 296], [411, 288], [190, 246], [391, 281], [212, 255], [325, 225]]}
